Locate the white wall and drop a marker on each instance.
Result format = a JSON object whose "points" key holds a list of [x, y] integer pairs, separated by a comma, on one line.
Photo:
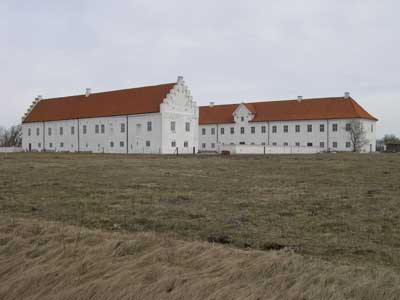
{"points": [[328, 137], [10, 149], [180, 108], [257, 149]]}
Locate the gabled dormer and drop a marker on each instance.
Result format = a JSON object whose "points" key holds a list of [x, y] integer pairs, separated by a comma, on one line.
{"points": [[244, 113]]}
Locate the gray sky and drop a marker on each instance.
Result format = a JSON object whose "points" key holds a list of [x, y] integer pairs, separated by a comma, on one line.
{"points": [[228, 51]]}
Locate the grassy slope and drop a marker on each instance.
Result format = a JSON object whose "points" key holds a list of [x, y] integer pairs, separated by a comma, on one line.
{"points": [[46, 261], [343, 208]]}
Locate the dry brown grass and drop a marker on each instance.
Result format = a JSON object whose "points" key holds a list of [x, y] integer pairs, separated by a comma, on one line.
{"points": [[343, 208], [42, 260]]}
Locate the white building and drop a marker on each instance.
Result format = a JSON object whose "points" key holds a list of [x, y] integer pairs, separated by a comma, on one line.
{"points": [[285, 126], [155, 119], [165, 119]]}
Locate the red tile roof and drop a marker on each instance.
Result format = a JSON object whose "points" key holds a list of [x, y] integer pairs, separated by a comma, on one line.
{"points": [[307, 109], [115, 103]]}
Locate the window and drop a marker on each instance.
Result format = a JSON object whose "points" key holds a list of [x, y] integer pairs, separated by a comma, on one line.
{"points": [[242, 119], [348, 144], [285, 144], [286, 128], [203, 145], [37, 131], [29, 132], [372, 127], [149, 126], [212, 131], [61, 145], [173, 144], [348, 126], [185, 144], [253, 129], [309, 128], [334, 144], [103, 129], [274, 144], [212, 145], [322, 128], [241, 130], [297, 128], [61, 130], [173, 126], [187, 126], [263, 129], [121, 144], [39, 145], [203, 131], [297, 144], [242, 143], [274, 129], [112, 144], [147, 143], [122, 127], [50, 145], [84, 129], [222, 130], [96, 129], [322, 145], [232, 130], [49, 131], [309, 144], [263, 143], [72, 130], [334, 127], [252, 143]]}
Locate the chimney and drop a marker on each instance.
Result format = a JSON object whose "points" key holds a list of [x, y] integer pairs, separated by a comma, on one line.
{"points": [[211, 104], [299, 98], [346, 95], [180, 78], [87, 93]]}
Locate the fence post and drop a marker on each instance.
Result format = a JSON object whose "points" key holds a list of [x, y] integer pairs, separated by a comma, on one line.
{"points": [[177, 151]]}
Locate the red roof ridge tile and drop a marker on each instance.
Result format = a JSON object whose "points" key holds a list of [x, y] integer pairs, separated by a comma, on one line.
{"points": [[285, 110], [138, 100]]}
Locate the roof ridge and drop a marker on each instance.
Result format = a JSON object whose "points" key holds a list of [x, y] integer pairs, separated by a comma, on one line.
{"points": [[279, 100], [112, 91]]}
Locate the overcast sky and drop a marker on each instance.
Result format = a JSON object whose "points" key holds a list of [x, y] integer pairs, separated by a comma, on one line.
{"points": [[228, 51]]}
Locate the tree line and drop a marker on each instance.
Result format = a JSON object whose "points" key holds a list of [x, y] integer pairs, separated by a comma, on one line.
{"points": [[11, 137]]}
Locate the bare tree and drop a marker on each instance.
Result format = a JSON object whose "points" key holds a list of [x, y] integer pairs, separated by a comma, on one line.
{"points": [[390, 138], [357, 134], [2, 133], [11, 137]]}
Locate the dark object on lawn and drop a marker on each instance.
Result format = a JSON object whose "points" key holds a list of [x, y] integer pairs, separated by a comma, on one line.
{"points": [[219, 238], [226, 152], [271, 246]]}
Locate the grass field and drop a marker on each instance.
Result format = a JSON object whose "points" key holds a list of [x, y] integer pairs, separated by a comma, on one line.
{"points": [[343, 208], [42, 260]]}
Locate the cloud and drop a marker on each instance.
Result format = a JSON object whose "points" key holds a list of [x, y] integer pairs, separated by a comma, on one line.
{"points": [[227, 50]]}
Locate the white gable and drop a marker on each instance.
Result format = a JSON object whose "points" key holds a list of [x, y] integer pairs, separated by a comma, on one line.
{"points": [[242, 114]]}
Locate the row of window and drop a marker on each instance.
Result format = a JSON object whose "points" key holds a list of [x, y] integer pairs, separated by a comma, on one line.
{"points": [[297, 144], [100, 128], [274, 128]]}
